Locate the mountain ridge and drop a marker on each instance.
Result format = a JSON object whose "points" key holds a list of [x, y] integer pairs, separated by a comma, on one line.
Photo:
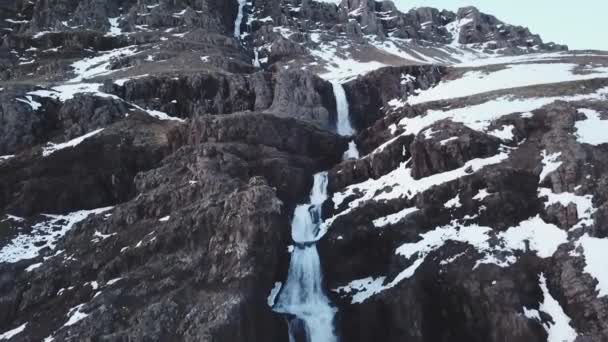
{"points": [[153, 154]]}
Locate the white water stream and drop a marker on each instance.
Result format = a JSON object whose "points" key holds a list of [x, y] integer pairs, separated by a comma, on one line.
{"points": [[302, 295], [239, 19], [343, 125]]}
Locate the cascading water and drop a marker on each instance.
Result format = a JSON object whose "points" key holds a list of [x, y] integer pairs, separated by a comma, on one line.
{"points": [[303, 296], [239, 18], [343, 125]]}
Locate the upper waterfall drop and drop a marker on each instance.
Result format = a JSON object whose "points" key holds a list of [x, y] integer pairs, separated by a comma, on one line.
{"points": [[302, 295], [343, 125], [239, 18]]}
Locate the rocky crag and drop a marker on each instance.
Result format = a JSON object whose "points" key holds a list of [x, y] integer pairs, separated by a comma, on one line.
{"points": [[152, 153]]}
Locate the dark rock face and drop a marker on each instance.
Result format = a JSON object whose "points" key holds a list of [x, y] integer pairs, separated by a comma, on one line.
{"points": [[368, 94], [435, 150], [151, 160]]}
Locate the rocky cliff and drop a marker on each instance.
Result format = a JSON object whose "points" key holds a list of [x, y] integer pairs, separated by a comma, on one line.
{"points": [[152, 153]]}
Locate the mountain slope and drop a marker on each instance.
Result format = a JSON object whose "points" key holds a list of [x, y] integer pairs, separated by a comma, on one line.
{"points": [[153, 154]]}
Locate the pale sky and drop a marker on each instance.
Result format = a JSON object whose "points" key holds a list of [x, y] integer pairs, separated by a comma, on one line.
{"points": [[580, 24]]}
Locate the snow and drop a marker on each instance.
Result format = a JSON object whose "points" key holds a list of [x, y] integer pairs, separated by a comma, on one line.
{"points": [[399, 183], [33, 267], [445, 141], [483, 193], [512, 76], [7, 157], [158, 114], [559, 330], [430, 241], [11, 333], [30, 102], [593, 129], [164, 219], [505, 133], [453, 203], [362, 289], [75, 315], [44, 234], [541, 237], [68, 91], [394, 218], [113, 281], [595, 259], [550, 163], [339, 64], [99, 65], [121, 82], [480, 116], [51, 148], [584, 204]]}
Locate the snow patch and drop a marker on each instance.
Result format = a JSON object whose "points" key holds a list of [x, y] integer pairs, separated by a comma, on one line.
{"points": [[11, 333], [44, 234], [51, 148]]}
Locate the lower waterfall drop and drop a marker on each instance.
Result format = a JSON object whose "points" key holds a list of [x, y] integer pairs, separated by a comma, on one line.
{"points": [[303, 296], [239, 18]]}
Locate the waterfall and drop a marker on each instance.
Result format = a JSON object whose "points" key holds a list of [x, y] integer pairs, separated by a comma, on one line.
{"points": [[239, 19], [343, 125], [256, 59], [303, 296]]}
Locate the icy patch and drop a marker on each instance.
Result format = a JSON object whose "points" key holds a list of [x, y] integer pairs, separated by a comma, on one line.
{"points": [[558, 329], [30, 102], [584, 205], [513, 76], [44, 234], [394, 218], [274, 293], [550, 163], [11, 333], [592, 130], [51, 148], [595, 259]]}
